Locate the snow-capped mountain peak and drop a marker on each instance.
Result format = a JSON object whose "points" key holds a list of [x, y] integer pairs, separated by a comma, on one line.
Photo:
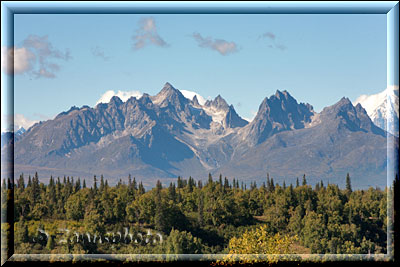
{"points": [[383, 108]]}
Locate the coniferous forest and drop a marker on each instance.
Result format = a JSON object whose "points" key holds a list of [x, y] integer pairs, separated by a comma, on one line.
{"points": [[220, 215]]}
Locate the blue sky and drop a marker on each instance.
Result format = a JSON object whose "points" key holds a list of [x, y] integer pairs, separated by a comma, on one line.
{"points": [[245, 58]]}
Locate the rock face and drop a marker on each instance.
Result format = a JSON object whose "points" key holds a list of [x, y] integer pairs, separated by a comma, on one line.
{"points": [[280, 112], [166, 135]]}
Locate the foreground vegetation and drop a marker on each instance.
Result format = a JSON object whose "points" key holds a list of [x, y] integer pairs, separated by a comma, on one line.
{"points": [[221, 216]]}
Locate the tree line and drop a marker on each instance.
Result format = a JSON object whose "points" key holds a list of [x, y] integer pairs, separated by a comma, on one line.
{"points": [[193, 217]]}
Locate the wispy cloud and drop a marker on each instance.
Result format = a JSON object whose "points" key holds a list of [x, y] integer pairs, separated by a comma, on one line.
{"points": [[35, 57], [221, 46], [124, 95], [269, 35], [147, 34], [45, 52], [272, 41], [99, 52]]}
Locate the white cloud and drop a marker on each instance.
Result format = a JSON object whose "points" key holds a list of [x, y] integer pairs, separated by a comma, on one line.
{"points": [[16, 60], [221, 46], [19, 121], [191, 94], [34, 49], [147, 34], [123, 95]]}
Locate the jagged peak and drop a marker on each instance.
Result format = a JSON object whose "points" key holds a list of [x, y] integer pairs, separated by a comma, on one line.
{"points": [[195, 100], [219, 102], [132, 99], [169, 89], [220, 99], [232, 119], [167, 85], [278, 93], [358, 106], [344, 100], [169, 94], [145, 99], [283, 94], [68, 111], [343, 104], [116, 100]]}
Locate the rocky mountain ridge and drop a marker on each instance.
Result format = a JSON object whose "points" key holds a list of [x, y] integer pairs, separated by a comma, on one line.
{"points": [[169, 135]]}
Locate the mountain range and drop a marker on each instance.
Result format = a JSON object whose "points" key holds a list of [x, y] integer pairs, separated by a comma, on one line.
{"points": [[168, 135]]}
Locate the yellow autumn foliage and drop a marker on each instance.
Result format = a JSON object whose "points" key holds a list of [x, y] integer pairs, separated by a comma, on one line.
{"points": [[258, 246]]}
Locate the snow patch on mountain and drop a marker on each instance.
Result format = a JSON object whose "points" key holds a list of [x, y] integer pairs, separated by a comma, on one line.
{"points": [[190, 94], [216, 114]]}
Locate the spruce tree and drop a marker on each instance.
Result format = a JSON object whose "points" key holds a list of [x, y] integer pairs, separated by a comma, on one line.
{"points": [[348, 183], [272, 186], [134, 183], [226, 183], [158, 186], [190, 184], [78, 185], [172, 192], [101, 183], [21, 183], [95, 184], [201, 210], [317, 187], [304, 180], [210, 180], [141, 188], [159, 217], [35, 196], [179, 182]]}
